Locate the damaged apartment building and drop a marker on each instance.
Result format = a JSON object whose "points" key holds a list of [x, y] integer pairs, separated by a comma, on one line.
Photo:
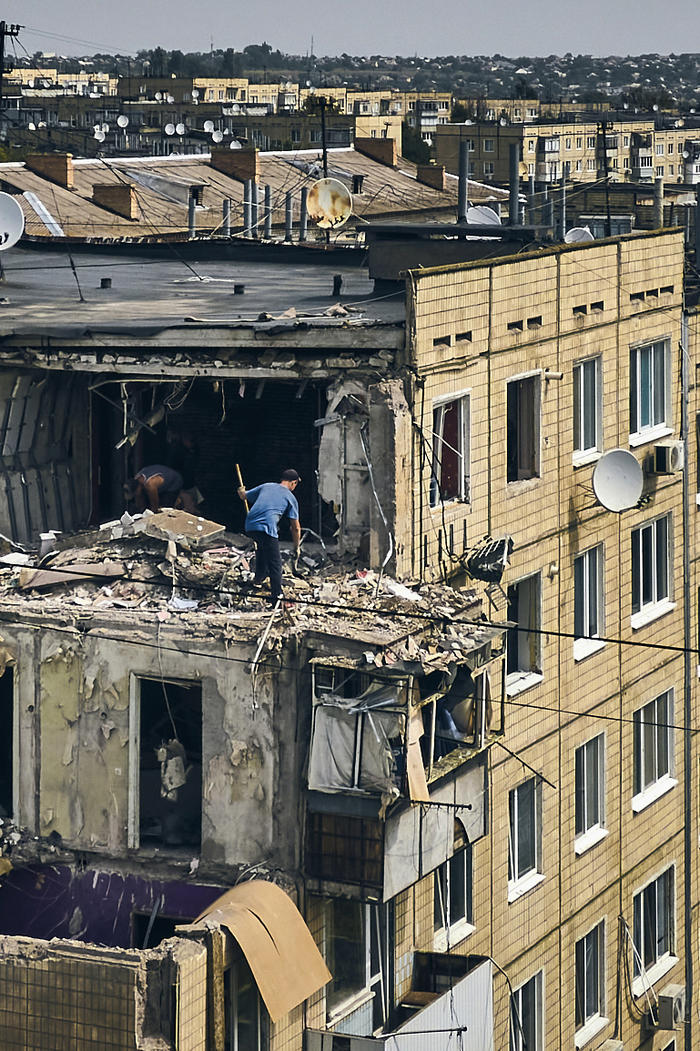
{"points": [[436, 799]]}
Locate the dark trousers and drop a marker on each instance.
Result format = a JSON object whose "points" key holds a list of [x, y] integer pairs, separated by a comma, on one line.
{"points": [[268, 562]]}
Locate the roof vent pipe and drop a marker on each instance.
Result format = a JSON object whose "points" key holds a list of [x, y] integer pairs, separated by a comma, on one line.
{"points": [[192, 216], [226, 230], [463, 194], [268, 213], [288, 216], [303, 214], [254, 210], [697, 227], [247, 195], [514, 204]]}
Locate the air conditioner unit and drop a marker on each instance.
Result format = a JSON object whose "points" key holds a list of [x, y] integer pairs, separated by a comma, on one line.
{"points": [[669, 457], [671, 1008], [612, 1045]]}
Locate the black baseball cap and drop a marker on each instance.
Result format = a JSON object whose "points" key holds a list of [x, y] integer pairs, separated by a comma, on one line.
{"points": [[290, 475]]}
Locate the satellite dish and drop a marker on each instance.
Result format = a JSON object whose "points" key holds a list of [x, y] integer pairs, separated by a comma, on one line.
{"points": [[235, 108], [169, 129], [195, 93], [42, 123], [31, 126], [618, 480], [655, 108], [171, 99], [105, 128], [122, 121], [577, 235], [234, 144], [209, 126], [159, 96], [483, 215], [503, 122], [100, 136], [329, 203], [11, 221], [217, 136], [685, 155], [180, 129]]}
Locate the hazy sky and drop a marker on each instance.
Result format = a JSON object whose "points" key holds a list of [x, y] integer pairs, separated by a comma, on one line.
{"points": [[425, 27]]}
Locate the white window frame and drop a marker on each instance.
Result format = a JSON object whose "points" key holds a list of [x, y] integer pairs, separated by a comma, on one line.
{"points": [[646, 975], [656, 427], [360, 996], [589, 592], [489, 168], [587, 387], [653, 744], [643, 612], [589, 787], [453, 928], [594, 1022], [489, 146], [536, 377], [529, 641], [463, 400], [534, 987], [520, 882]]}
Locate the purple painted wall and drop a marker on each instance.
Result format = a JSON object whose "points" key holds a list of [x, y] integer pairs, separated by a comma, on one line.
{"points": [[54, 901]]}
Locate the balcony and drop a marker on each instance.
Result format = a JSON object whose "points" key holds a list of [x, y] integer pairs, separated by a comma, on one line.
{"points": [[450, 1004]]}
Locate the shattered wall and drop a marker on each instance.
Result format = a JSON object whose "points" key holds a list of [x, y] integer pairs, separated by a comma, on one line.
{"points": [[78, 705], [69, 995], [44, 453]]}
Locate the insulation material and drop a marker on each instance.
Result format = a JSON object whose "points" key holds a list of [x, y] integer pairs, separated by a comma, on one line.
{"points": [[279, 948]]}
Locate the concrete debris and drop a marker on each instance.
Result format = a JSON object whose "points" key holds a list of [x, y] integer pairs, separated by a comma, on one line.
{"points": [[185, 529]]}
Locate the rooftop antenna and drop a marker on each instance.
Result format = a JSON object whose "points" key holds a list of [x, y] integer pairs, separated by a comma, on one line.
{"points": [[618, 480], [329, 204]]}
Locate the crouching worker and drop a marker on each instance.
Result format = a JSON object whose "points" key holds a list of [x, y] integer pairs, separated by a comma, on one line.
{"points": [[270, 502], [158, 486]]}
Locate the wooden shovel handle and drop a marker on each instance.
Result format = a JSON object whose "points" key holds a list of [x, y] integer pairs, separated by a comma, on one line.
{"points": [[240, 483]]}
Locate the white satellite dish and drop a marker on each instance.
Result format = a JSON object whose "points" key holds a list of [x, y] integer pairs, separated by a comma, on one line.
{"points": [[11, 221], [100, 135], [171, 99], [503, 122], [180, 129], [234, 145], [31, 126], [577, 235], [235, 108], [329, 203], [618, 480], [195, 93], [483, 215], [105, 128], [123, 121], [217, 136], [159, 96], [209, 126], [169, 129], [42, 123]]}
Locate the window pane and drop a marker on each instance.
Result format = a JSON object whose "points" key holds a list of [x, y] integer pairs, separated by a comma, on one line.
{"points": [[593, 781], [578, 404], [638, 759], [644, 387], [526, 827], [662, 915], [450, 453], [663, 733], [636, 571], [634, 394], [592, 954], [439, 897], [593, 592], [649, 744], [589, 404], [637, 930], [579, 603], [529, 1014], [648, 593], [458, 887], [347, 949], [580, 791], [661, 558], [649, 919], [659, 352], [580, 982]]}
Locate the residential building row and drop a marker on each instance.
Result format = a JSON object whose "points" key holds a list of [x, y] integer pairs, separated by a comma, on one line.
{"points": [[479, 792]]}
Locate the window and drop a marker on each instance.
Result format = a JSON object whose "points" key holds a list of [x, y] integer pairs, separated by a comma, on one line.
{"points": [[587, 407], [526, 1016], [530, 145], [568, 144], [590, 164], [659, 171], [452, 893], [670, 148], [524, 640], [653, 749], [450, 472], [588, 601], [654, 927], [523, 429], [590, 981], [650, 565], [649, 387], [244, 1014], [590, 793], [489, 145], [670, 169], [659, 149], [579, 142], [488, 168], [358, 949], [590, 142], [525, 838], [579, 166]]}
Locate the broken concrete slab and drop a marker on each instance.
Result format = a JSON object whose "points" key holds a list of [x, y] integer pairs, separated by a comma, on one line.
{"points": [[185, 529], [42, 578]]}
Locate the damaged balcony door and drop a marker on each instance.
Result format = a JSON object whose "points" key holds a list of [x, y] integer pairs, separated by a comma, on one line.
{"points": [[165, 787]]}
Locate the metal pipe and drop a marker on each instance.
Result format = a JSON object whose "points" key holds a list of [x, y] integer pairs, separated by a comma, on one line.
{"points": [[254, 210], [549, 212], [563, 200], [268, 214], [226, 226], [463, 185], [247, 194], [303, 214], [288, 215], [697, 228], [531, 202], [192, 217], [689, 846], [514, 205], [658, 203]]}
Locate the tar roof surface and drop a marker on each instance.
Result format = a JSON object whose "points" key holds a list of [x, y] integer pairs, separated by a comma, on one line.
{"points": [[40, 292]]}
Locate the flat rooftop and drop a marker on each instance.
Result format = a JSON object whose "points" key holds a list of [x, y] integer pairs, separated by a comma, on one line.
{"points": [[59, 294]]}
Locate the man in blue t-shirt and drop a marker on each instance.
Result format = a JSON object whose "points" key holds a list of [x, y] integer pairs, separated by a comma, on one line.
{"points": [[270, 502]]}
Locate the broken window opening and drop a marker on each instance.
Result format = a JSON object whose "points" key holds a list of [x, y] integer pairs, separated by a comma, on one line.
{"points": [[523, 428], [524, 642], [345, 849], [450, 467], [7, 723], [148, 931], [358, 941], [245, 1017], [201, 429], [459, 719], [170, 763]]}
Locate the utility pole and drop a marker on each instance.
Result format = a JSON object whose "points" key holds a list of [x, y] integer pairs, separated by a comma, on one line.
{"points": [[6, 30], [603, 132]]}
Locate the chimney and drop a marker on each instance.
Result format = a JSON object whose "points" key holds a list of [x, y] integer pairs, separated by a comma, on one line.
{"points": [[58, 167], [239, 164], [432, 175], [116, 197], [382, 150]]}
